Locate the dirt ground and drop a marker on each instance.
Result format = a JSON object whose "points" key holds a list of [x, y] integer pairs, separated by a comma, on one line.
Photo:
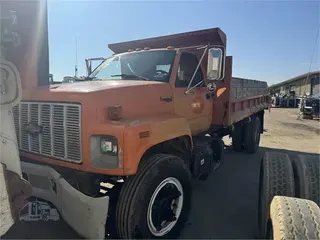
{"points": [[284, 131], [225, 206]]}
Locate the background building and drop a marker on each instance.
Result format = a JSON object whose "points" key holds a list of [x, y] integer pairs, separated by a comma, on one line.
{"points": [[299, 84]]}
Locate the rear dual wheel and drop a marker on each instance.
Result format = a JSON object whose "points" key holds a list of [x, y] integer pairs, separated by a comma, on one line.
{"points": [[155, 202], [251, 137], [237, 138], [247, 137]]}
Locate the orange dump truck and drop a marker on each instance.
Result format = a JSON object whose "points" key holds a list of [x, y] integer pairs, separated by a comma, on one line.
{"points": [[118, 150]]}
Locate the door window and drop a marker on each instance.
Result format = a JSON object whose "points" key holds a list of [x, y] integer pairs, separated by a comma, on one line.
{"points": [[187, 66]]}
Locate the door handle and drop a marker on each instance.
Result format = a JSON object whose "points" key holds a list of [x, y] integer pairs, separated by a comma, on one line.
{"points": [[166, 99]]}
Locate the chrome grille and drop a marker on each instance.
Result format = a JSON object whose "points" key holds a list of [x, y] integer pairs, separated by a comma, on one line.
{"points": [[60, 137]]}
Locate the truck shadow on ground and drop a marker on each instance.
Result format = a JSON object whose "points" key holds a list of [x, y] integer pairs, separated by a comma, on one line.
{"points": [[224, 206]]}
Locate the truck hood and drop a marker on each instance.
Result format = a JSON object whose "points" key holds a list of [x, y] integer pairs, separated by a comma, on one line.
{"points": [[95, 86], [137, 98]]}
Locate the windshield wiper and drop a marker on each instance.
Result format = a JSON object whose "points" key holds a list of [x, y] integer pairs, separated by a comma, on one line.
{"points": [[130, 76]]}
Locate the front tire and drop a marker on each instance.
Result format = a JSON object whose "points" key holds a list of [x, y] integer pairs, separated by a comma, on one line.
{"points": [[155, 202]]}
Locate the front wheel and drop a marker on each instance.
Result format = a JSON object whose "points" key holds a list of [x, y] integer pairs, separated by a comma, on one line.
{"points": [[155, 203]]}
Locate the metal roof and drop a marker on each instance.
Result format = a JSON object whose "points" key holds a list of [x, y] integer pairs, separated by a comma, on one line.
{"points": [[296, 78]]}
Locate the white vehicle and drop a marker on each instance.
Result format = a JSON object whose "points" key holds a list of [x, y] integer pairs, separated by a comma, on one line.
{"points": [[38, 211], [14, 189]]}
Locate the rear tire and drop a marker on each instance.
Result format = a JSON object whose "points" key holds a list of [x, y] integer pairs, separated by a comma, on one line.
{"points": [[294, 218], [217, 146], [306, 170], [252, 135], [276, 178], [137, 217], [237, 138]]}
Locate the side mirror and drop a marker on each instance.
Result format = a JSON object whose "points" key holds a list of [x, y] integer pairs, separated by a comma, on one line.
{"points": [[215, 67]]}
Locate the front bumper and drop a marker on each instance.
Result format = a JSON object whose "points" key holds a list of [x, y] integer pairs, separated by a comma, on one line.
{"points": [[86, 215]]}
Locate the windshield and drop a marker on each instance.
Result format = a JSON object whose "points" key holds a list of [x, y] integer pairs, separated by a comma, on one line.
{"points": [[145, 65]]}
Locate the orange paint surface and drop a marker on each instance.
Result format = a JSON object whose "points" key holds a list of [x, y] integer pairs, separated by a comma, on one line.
{"points": [[142, 111]]}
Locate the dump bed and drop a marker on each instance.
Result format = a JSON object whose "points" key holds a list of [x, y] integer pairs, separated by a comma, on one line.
{"points": [[237, 98], [212, 36], [246, 98]]}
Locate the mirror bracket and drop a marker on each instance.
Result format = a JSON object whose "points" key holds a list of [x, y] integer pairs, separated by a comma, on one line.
{"points": [[195, 71], [192, 89]]}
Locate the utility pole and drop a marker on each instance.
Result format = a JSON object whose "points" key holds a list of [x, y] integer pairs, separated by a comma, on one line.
{"points": [[76, 64], [312, 55]]}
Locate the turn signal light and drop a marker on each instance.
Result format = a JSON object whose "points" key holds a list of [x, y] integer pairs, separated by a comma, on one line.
{"points": [[115, 112]]}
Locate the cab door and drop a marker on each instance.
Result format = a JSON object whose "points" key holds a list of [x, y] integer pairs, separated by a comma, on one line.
{"points": [[196, 105]]}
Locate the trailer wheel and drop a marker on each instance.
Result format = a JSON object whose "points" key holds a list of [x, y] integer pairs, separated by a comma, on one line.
{"points": [[276, 178], [237, 138], [155, 202], [306, 170], [294, 218], [252, 135]]}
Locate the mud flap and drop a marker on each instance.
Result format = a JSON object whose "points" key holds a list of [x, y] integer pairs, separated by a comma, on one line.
{"points": [[86, 215]]}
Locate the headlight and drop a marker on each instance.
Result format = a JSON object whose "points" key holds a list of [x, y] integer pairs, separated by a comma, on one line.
{"points": [[104, 152]]}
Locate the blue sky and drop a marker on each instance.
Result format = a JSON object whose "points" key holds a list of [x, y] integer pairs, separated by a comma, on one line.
{"points": [[269, 40]]}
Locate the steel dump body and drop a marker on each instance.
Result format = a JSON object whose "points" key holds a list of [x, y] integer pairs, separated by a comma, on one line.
{"points": [[213, 36], [237, 99], [246, 98]]}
